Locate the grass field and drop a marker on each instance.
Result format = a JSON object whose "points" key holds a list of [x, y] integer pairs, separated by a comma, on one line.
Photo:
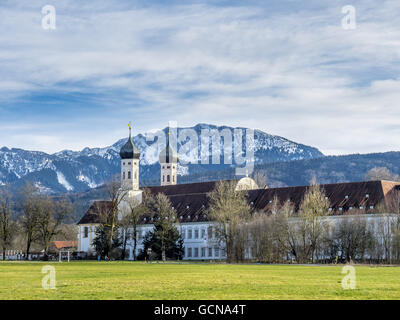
{"points": [[134, 280]]}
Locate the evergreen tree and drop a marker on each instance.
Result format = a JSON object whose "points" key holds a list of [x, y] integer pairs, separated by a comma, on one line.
{"points": [[173, 243], [101, 241]]}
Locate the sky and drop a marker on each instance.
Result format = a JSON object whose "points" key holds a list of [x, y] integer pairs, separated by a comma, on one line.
{"points": [[286, 67]]}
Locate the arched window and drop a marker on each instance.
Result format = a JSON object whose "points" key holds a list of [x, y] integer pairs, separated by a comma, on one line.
{"points": [[135, 174], [163, 178], [168, 178], [173, 178], [129, 175], [123, 175]]}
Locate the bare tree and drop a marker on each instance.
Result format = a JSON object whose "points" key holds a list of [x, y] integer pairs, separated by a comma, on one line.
{"points": [[381, 173], [116, 195], [132, 213], [260, 178], [229, 209], [312, 210], [28, 219], [7, 225], [51, 215]]}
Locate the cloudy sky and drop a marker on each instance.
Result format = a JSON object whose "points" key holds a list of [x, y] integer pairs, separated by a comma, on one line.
{"points": [[286, 67]]}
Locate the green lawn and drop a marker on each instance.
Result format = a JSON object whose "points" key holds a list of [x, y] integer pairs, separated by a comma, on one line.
{"points": [[135, 280]]}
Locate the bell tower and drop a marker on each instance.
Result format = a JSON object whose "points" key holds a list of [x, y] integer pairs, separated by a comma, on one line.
{"points": [[169, 164], [130, 155]]}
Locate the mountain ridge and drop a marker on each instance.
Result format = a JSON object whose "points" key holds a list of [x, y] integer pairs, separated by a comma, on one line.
{"points": [[69, 170]]}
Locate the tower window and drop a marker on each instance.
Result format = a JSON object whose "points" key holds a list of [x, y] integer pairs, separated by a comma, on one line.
{"points": [[135, 174], [168, 178], [129, 163], [123, 175], [129, 175], [163, 178], [173, 178]]}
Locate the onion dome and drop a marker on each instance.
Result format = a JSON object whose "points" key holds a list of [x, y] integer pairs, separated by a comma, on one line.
{"points": [[168, 155], [129, 150]]}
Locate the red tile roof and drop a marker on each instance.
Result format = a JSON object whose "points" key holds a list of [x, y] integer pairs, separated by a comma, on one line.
{"points": [[65, 244]]}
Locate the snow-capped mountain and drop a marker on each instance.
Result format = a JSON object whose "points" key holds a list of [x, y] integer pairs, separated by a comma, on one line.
{"points": [[82, 170]]}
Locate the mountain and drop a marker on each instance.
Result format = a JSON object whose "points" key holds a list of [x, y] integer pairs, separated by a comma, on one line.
{"points": [[78, 171]]}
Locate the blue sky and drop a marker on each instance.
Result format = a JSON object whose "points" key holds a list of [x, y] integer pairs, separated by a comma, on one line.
{"points": [[286, 67]]}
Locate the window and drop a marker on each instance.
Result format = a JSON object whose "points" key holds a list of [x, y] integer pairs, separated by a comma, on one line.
{"points": [[129, 163], [203, 252], [85, 232], [129, 175], [168, 178], [210, 233], [189, 252], [196, 252], [203, 233], [123, 175], [196, 233], [210, 252], [135, 174], [216, 252], [189, 233], [173, 178], [168, 167], [163, 178]]}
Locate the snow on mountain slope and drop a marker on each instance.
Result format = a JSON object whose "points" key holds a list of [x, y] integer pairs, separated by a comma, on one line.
{"points": [[81, 170]]}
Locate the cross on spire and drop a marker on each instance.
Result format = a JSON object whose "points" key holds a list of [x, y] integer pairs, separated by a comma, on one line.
{"points": [[130, 128]]}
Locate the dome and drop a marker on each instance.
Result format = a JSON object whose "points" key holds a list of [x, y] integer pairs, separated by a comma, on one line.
{"points": [[246, 183], [129, 150], [168, 155]]}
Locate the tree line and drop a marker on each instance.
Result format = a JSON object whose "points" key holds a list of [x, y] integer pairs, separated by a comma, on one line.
{"points": [[306, 235], [32, 218]]}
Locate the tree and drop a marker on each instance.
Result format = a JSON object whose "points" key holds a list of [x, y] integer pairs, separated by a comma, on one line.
{"points": [[101, 241], [260, 178], [172, 244], [28, 220], [132, 213], [116, 195], [51, 215], [165, 219], [229, 209], [381, 173], [312, 210], [351, 237], [7, 225]]}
